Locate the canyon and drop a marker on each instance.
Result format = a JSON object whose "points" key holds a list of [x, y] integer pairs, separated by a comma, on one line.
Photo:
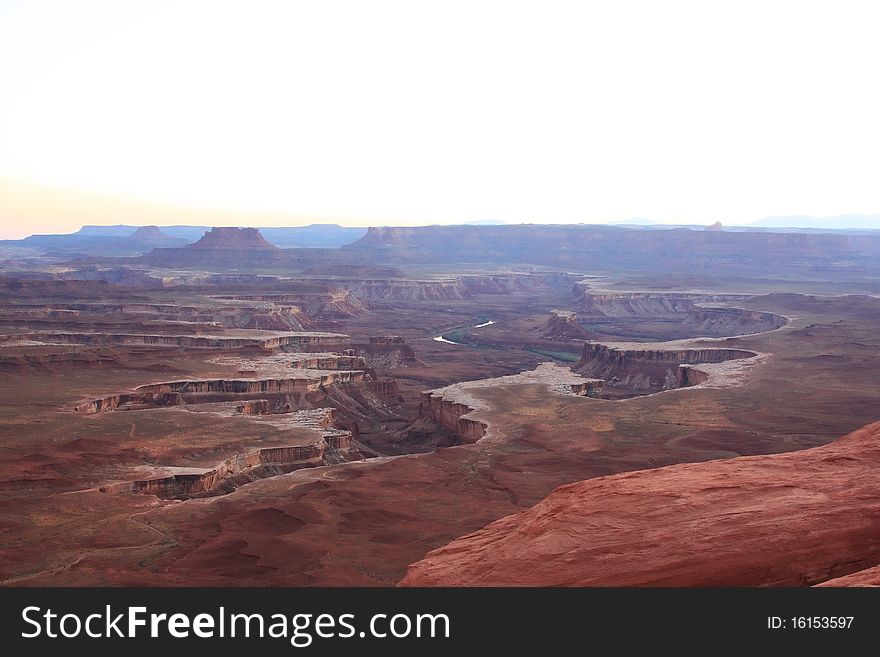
{"points": [[468, 405]]}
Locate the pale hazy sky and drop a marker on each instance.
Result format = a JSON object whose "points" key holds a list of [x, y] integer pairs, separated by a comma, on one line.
{"points": [[418, 112]]}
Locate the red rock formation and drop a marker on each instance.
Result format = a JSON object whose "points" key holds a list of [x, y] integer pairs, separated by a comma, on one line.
{"points": [[306, 341], [225, 248], [591, 388], [790, 519], [232, 239], [867, 577], [242, 467], [693, 318], [450, 415], [253, 315], [635, 370], [189, 391], [563, 325], [405, 289]]}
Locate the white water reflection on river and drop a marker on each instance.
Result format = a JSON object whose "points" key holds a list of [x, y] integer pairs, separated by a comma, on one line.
{"points": [[440, 338]]}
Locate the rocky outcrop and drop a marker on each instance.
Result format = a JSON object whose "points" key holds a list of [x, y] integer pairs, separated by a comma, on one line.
{"points": [[792, 519], [508, 282], [304, 341], [867, 577], [683, 314], [232, 239], [688, 375], [230, 315], [563, 325], [387, 352], [385, 387], [204, 390], [450, 407], [451, 415], [237, 470], [589, 388], [225, 248], [132, 402], [633, 304], [632, 370]]}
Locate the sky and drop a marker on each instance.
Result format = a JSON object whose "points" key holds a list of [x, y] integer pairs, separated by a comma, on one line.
{"points": [[407, 113]]}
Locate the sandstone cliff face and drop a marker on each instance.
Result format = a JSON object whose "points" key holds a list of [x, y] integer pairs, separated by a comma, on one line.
{"points": [[693, 313], [233, 471], [563, 325], [791, 519], [172, 393], [297, 341], [405, 289], [624, 249], [385, 387], [641, 371], [450, 415], [255, 315], [319, 303], [387, 352], [329, 362]]}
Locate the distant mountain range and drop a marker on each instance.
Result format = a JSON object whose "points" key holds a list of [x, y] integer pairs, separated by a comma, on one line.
{"points": [[123, 240], [840, 221], [312, 236], [131, 241]]}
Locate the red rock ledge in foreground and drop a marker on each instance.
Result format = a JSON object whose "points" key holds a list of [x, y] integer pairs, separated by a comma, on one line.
{"points": [[793, 519]]}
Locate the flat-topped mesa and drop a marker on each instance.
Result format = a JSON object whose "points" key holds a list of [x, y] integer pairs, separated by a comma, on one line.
{"points": [[223, 248], [173, 393], [563, 325], [300, 341], [233, 239], [242, 315], [617, 248], [632, 370], [325, 304], [149, 233], [450, 406]]}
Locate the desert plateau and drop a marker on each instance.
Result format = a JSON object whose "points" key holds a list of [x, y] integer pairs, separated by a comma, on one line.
{"points": [[530, 405]]}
